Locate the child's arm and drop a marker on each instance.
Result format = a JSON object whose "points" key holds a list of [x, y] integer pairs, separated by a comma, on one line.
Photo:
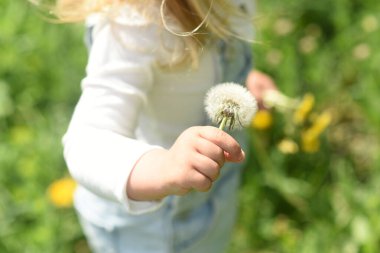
{"points": [[100, 145], [193, 162]]}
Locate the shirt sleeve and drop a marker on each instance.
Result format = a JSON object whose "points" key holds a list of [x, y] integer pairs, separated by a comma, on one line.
{"points": [[100, 148]]}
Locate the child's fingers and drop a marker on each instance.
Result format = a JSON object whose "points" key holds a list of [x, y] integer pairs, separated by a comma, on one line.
{"points": [[210, 150], [224, 141], [199, 181], [232, 159], [207, 166]]}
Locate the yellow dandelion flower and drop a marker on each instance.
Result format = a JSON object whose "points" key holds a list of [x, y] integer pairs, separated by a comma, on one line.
{"points": [[320, 123], [61, 192], [262, 120], [304, 108], [310, 144], [287, 146], [310, 137]]}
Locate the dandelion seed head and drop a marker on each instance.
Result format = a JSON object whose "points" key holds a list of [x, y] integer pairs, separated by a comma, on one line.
{"points": [[274, 57], [361, 51], [370, 23], [231, 101], [283, 26], [308, 44]]}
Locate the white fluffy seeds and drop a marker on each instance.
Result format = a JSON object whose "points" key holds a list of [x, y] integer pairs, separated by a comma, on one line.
{"points": [[230, 104]]}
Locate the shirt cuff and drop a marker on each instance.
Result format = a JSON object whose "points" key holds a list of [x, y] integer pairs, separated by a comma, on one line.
{"points": [[141, 207]]}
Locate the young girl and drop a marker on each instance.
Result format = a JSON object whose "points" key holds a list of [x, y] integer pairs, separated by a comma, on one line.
{"points": [[153, 175]]}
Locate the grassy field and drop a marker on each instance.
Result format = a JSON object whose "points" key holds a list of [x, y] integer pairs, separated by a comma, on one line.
{"points": [[298, 194]]}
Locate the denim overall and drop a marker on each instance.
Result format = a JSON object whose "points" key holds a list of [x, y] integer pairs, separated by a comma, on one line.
{"points": [[195, 223]]}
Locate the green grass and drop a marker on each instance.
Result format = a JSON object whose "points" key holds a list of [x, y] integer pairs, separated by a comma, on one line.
{"points": [[41, 65], [327, 201]]}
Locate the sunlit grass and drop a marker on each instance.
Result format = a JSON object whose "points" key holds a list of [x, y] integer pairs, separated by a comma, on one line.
{"points": [[325, 201]]}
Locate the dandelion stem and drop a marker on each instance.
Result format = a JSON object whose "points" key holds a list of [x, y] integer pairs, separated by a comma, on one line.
{"points": [[223, 123]]}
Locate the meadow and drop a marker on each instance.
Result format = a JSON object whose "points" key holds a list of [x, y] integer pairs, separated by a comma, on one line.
{"points": [[312, 182]]}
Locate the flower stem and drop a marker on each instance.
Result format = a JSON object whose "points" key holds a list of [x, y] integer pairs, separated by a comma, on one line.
{"points": [[223, 123]]}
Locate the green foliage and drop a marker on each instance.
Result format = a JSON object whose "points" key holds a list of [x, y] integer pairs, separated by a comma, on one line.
{"points": [[327, 201], [321, 202], [40, 68]]}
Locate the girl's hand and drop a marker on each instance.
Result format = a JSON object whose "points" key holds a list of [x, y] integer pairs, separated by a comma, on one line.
{"points": [[258, 83], [193, 162]]}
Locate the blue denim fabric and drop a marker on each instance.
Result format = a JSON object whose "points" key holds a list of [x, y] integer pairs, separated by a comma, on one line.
{"points": [[236, 59], [204, 224], [195, 223]]}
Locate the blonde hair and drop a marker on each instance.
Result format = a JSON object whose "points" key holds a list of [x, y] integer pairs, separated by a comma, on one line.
{"points": [[198, 19]]}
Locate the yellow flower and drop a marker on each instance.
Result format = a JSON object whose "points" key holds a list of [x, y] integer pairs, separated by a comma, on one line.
{"points": [[304, 108], [61, 192], [321, 123], [310, 137], [262, 120], [310, 144], [287, 146]]}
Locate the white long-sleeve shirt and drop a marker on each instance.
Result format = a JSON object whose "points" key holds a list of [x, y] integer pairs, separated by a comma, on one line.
{"points": [[130, 105]]}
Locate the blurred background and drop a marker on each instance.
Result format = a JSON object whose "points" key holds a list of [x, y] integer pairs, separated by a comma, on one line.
{"points": [[312, 182]]}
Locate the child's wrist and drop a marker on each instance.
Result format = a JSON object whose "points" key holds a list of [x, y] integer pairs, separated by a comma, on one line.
{"points": [[146, 182]]}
